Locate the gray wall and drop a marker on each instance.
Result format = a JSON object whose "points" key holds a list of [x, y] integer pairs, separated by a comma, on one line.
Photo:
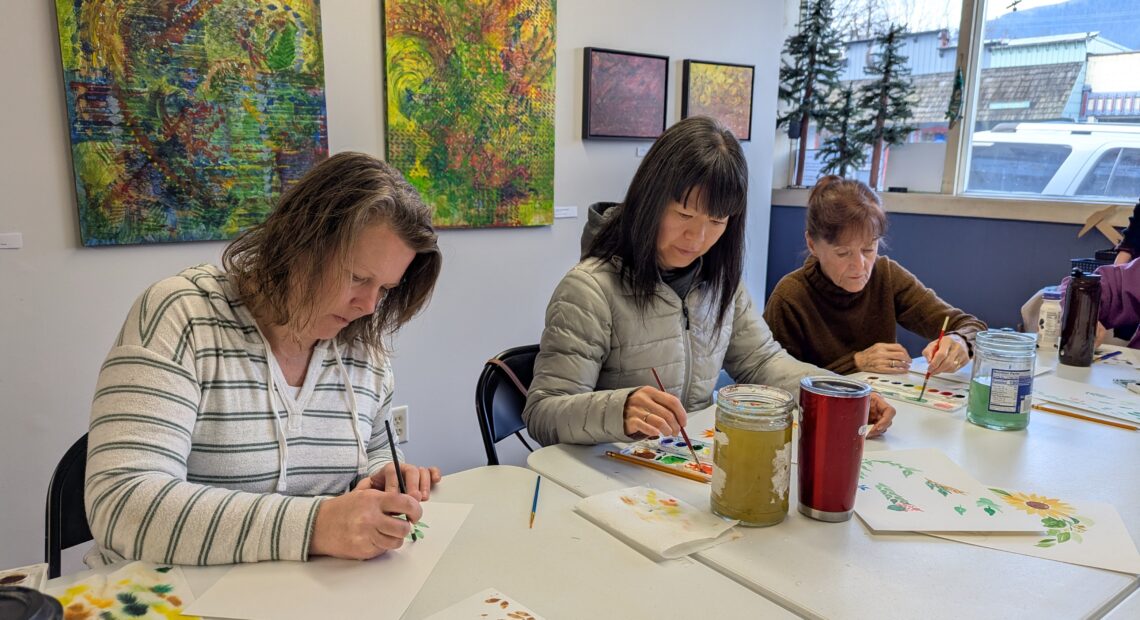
{"points": [[988, 268], [61, 305]]}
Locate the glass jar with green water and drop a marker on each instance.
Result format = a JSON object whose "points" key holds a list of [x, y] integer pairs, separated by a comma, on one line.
{"points": [[752, 454], [1001, 386]]}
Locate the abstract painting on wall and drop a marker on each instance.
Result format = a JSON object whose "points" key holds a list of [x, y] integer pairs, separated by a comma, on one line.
{"points": [[470, 107], [722, 91], [623, 95], [187, 119]]}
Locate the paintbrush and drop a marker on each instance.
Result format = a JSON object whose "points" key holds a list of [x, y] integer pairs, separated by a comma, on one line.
{"points": [[534, 502], [399, 473], [683, 433], [937, 343]]}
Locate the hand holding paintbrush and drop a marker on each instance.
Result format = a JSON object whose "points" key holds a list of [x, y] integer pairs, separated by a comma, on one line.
{"points": [[685, 435], [933, 356]]}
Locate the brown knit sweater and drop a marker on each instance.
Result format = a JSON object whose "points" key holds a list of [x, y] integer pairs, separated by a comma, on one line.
{"points": [[822, 324]]}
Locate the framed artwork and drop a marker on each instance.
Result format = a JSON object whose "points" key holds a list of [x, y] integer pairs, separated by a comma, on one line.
{"points": [[722, 91], [188, 120], [623, 95], [470, 107]]}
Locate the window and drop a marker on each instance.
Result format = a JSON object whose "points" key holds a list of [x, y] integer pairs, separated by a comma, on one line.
{"points": [[1051, 97]]}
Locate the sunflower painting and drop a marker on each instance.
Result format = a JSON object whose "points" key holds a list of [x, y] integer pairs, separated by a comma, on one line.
{"points": [[470, 107], [1057, 517]]}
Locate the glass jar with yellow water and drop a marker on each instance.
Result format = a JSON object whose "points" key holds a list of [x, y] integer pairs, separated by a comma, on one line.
{"points": [[752, 452]]}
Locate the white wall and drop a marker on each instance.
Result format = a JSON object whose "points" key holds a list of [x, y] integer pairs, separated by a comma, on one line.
{"points": [[61, 305]]}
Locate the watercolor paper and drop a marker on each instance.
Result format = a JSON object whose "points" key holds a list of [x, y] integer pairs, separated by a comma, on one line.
{"points": [[919, 365], [139, 590], [1077, 532], [490, 604], [33, 576], [924, 491], [655, 523], [380, 588], [1117, 403]]}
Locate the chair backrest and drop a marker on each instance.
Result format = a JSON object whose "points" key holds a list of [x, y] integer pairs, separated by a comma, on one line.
{"points": [[499, 402], [66, 517]]}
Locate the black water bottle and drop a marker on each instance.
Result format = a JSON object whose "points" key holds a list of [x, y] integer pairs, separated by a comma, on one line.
{"points": [[1078, 323]]}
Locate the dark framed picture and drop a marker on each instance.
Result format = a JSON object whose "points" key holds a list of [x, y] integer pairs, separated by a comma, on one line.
{"points": [[623, 95], [721, 90]]}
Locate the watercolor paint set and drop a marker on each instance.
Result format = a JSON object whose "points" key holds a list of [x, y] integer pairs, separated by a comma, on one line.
{"points": [[673, 452], [940, 394]]}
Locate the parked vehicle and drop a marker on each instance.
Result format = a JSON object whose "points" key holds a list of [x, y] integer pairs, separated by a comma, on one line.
{"points": [[1087, 160]]}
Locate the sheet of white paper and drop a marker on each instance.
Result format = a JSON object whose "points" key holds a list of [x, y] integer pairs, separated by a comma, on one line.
{"points": [[654, 522], [1077, 532], [1118, 403], [490, 604], [919, 365], [924, 491], [381, 588]]}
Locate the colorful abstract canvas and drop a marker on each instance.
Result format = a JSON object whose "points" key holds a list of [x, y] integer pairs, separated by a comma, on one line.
{"points": [[722, 91], [188, 119], [623, 95], [470, 107]]}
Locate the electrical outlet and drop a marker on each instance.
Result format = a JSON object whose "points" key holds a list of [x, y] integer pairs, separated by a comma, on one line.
{"points": [[400, 423]]}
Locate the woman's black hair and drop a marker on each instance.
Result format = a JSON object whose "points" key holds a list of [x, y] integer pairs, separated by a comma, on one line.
{"points": [[696, 157]]}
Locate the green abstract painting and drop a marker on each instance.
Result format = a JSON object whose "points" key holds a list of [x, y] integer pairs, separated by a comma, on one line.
{"points": [[470, 107], [188, 118]]}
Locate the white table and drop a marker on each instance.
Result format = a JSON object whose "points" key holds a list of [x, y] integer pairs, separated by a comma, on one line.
{"points": [[563, 568], [843, 571]]}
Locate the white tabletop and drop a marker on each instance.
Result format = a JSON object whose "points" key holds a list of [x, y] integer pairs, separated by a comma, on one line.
{"points": [[565, 567], [842, 570]]}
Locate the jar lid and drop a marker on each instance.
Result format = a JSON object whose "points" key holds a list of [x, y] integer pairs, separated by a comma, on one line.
{"points": [[20, 603], [836, 387], [1052, 292]]}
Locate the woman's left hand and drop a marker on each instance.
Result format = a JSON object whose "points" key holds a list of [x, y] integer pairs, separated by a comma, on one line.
{"points": [[952, 355], [881, 416], [418, 481]]}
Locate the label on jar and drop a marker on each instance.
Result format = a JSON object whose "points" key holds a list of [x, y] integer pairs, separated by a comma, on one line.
{"points": [[1010, 390]]}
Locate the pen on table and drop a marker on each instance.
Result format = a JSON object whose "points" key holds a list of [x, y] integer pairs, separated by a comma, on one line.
{"points": [[534, 502], [685, 435], [399, 473], [655, 465], [937, 344], [1073, 414], [1101, 358]]}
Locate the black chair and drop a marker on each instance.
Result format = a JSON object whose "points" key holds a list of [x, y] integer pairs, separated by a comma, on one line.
{"points": [[500, 397], [66, 517]]}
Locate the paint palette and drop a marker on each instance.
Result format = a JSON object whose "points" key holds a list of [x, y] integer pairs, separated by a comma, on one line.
{"points": [[673, 452], [940, 394]]}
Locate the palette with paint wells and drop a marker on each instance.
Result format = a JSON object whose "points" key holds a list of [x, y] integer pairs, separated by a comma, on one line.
{"points": [[940, 394], [673, 452]]}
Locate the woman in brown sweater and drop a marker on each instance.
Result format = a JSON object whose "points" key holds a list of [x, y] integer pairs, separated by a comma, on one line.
{"points": [[840, 309]]}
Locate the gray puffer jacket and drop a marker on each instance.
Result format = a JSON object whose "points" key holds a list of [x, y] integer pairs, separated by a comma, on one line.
{"points": [[598, 348]]}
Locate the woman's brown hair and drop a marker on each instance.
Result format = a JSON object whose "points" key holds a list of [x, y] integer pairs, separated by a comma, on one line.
{"points": [[837, 207], [279, 266]]}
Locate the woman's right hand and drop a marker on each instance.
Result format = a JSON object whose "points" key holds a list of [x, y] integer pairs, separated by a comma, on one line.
{"points": [[653, 413], [889, 358], [361, 525]]}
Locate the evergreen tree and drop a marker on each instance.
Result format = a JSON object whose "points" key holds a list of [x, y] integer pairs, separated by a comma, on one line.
{"points": [[806, 82], [842, 149], [887, 98]]}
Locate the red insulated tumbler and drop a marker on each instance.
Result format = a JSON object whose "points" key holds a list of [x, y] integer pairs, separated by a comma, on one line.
{"points": [[833, 412]]}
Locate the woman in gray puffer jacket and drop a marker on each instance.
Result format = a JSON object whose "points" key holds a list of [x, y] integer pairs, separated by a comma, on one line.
{"points": [[659, 287]]}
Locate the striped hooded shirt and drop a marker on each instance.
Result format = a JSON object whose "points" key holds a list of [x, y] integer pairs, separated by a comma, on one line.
{"points": [[186, 444]]}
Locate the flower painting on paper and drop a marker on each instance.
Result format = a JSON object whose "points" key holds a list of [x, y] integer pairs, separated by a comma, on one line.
{"points": [[187, 120], [470, 107], [1058, 518], [139, 590]]}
